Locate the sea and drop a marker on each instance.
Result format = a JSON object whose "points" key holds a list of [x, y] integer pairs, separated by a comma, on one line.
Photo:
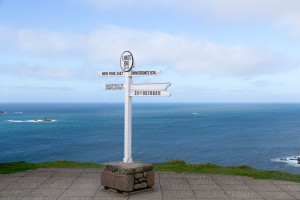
{"points": [[261, 135]]}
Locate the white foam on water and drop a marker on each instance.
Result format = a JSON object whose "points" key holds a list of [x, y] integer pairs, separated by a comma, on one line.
{"points": [[195, 113], [18, 112], [290, 160], [30, 121]]}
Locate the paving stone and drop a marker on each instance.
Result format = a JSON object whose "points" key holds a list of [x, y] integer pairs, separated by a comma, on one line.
{"points": [[278, 182], [60, 180], [178, 195], [36, 179], [290, 188], [170, 175], [11, 198], [80, 192], [201, 181], [257, 181], [3, 185], [295, 194], [110, 198], [90, 175], [211, 195], [98, 170], [46, 170], [153, 195], [21, 173], [226, 180], [9, 178], [176, 187], [232, 187], [275, 195], [75, 198], [84, 186], [40, 174], [182, 199], [23, 185], [243, 195], [265, 187], [101, 193], [203, 187], [172, 181], [70, 170], [55, 185], [46, 192], [196, 175], [67, 174], [14, 192], [146, 198], [88, 180]]}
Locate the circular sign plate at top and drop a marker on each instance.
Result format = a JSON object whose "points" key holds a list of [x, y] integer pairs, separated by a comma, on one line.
{"points": [[126, 61]]}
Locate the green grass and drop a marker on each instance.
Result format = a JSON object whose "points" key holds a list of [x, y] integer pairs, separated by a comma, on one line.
{"points": [[180, 166], [175, 165], [7, 168]]}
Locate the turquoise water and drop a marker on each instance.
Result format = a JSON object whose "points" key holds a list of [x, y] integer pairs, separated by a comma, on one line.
{"points": [[257, 135]]}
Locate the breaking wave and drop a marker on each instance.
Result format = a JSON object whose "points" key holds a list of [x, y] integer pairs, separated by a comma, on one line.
{"points": [[291, 160], [30, 121]]}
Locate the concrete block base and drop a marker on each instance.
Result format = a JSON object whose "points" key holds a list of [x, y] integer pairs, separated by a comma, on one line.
{"points": [[127, 178]]}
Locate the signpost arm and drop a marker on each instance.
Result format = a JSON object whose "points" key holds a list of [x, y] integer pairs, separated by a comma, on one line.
{"points": [[127, 119]]}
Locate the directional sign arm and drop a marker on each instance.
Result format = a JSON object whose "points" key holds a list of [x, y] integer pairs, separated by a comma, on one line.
{"points": [[111, 73], [150, 86], [113, 86], [145, 73], [149, 93]]}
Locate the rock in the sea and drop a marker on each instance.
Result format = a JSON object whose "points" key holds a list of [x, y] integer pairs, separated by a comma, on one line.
{"points": [[1, 112]]}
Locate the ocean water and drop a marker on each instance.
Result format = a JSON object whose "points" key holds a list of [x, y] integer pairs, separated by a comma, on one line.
{"points": [[257, 135]]}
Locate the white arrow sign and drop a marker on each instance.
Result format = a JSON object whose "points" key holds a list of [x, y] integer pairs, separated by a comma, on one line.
{"points": [[131, 73], [111, 73], [149, 93], [145, 73], [113, 86], [149, 86]]}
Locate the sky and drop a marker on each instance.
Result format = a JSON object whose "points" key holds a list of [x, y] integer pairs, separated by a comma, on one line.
{"points": [[209, 50]]}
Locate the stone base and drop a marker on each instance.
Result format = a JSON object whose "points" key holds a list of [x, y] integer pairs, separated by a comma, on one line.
{"points": [[126, 178]]}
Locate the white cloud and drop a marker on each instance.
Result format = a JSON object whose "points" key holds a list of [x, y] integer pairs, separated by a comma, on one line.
{"points": [[280, 13], [149, 48]]}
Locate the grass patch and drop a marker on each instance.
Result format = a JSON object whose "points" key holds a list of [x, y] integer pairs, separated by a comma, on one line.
{"points": [[175, 165], [7, 168], [180, 166]]}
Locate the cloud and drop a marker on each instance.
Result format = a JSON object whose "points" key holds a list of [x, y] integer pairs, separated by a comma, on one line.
{"points": [[182, 53], [49, 88], [280, 13], [38, 71]]}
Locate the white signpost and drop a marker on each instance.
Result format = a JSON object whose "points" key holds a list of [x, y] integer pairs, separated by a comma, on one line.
{"points": [[142, 89]]}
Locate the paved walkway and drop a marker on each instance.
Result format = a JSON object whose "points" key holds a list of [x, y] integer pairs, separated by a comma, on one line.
{"points": [[84, 184]]}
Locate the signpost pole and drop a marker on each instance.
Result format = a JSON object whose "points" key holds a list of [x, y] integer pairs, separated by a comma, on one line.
{"points": [[127, 119]]}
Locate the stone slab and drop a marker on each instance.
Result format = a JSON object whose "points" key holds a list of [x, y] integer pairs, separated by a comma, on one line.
{"points": [[150, 178], [117, 181]]}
